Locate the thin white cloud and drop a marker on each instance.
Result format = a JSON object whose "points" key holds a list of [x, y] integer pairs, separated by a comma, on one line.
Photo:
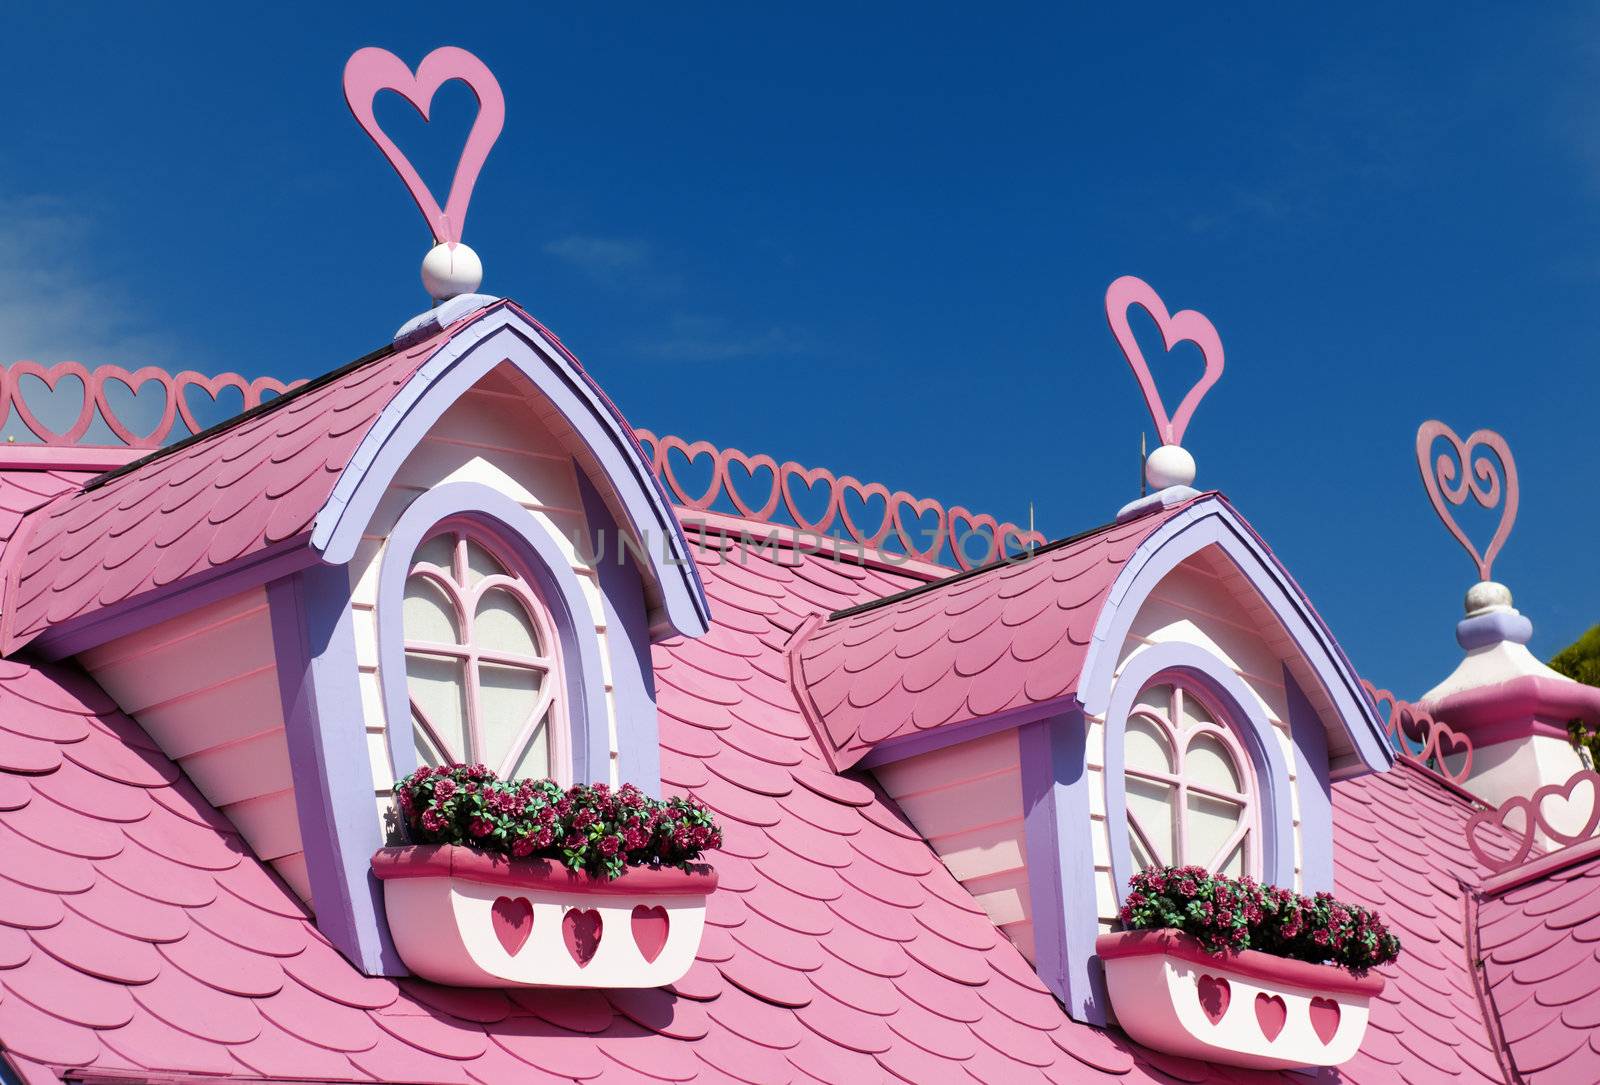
{"points": [[56, 302], [712, 339], [604, 258]]}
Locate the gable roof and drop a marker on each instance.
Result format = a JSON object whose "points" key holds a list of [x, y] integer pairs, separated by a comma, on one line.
{"points": [[138, 935], [1028, 636], [1008, 637], [256, 489]]}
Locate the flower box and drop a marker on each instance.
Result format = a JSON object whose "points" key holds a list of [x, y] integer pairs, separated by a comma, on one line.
{"points": [[465, 918], [1239, 1007]]}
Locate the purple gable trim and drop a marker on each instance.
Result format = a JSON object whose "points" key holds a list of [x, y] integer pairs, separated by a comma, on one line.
{"points": [[1213, 522], [1315, 790], [1255, 733], [1056, 828], [181, 596], [542, 561], [502, 335], [314, 645], [1482, 630], [633, 675]]}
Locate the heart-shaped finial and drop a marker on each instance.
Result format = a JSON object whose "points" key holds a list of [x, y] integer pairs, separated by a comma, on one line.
{"points": [[370, 70], [1185, 326], [1450, 480]]}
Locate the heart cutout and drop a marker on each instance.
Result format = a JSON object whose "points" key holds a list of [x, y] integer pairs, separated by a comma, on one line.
{"points": [[1325, 1019], [1564, 812], [204, 403], [144, 398], [674, 456], [1478, 478], [370, 70], [512, 919], [865, 503], [1498, 854], [580, 928], [739, 476], [650, 926], [820, 486], [1215, 994], [1271, 1013], [1186, 326], [920, 527], [52, 400]]}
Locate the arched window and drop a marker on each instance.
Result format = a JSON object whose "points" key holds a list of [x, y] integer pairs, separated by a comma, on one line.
{"points": [[1189, 786], [483, 670]]}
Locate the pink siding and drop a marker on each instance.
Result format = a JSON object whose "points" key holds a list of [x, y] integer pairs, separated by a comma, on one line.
{"points": [[204, 685], [966, 800]]}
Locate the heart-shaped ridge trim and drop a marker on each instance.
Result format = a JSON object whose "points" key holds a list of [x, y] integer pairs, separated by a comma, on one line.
{"points": [[1215, 993], [1535, 819], [370, 70], [1183, 326], [1271, 1013], [1325, 1019], [512, 919], [581, 929], [650, 929], [1481, 479]]}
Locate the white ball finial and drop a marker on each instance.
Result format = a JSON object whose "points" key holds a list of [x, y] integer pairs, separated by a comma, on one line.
{"points": [[1486, 596], [1169, 465], [450, 270]]}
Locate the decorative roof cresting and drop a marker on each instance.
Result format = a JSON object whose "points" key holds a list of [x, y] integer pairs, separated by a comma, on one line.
{"points": [[1169, 469], [451, 268]]}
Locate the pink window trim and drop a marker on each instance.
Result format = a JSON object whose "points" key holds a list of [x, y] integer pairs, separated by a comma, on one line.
{"points": [[453, 583], [1181, 734]]}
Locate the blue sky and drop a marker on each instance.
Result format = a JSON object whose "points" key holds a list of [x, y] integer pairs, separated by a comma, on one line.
{"points": [[877, 237]]}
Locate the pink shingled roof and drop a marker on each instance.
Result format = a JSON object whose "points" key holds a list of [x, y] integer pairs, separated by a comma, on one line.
{"points": [[22, 491], [137, 933], [972, 646], [232, 493], [1541, 957]]}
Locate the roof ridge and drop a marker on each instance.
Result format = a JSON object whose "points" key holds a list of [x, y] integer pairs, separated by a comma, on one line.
{"points": [[1005, 561]]}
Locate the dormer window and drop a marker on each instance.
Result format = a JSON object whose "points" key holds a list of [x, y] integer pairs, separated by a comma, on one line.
{"points": [[1190, 791], [483, 669]]}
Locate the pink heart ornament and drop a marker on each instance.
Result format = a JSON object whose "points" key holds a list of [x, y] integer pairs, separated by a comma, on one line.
{"points": [[1480, 480], [370, 70], [1180, 327], [512, 919], [650, 929]]}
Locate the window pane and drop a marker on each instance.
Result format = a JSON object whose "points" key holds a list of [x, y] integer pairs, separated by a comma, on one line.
{"points": [[1150, 802], [1146, 747], [438, 690], [1210, 824], [535, 761], [1234, 864], [1210, 764], [428, 613], [427, 752], [439, 550], [1158, 698], [1194, 711], [503, 625], [480, 563], [507, 697]]}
